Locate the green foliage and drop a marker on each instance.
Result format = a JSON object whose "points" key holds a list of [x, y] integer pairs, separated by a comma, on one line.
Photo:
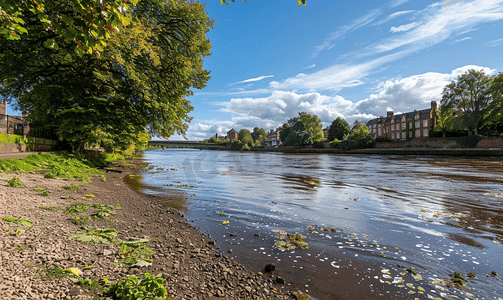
{"points": [[298, 135], [235, 146], [50, 273], [77, 208], [72, 187], [259, 135], [96, 236], [245, 137], [140, 80], [359, 138], [15, 183], [19, 248], [51, 165], [284, 132], [45, 193], [470, 96], [132, 253], [312, 124], [20, 221], [131, 288], [51, 208], [445, 118], [338, 130], [226, 3], [79, 220], [470, 141]]}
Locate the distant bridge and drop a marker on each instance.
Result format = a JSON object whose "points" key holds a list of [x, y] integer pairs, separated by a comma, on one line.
{"points": [[185, 144]]}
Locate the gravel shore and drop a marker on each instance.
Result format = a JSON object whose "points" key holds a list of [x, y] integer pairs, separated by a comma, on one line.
{"points": [[193, 268]]}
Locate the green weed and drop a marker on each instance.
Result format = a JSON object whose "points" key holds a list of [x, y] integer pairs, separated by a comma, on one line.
{"points": [[23, 222], [45, 193], [77, 208], [72, 187], [130, 288], [19, 248], [51, 208], [79, 220], [96, 236], [132, 253], [15, 183], [51, 273]]}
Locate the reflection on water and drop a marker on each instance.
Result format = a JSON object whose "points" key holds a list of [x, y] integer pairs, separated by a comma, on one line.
{"points": [[438, 215]]}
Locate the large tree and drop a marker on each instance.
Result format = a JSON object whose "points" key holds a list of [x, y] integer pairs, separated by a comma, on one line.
{"points": [[259, 134], [497, 94], [338, 130], [299, 135], [141, 80], [88, 23], [470, 96]]}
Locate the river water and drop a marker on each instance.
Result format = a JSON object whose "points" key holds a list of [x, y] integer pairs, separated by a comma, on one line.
{"points": [[386, 213]]}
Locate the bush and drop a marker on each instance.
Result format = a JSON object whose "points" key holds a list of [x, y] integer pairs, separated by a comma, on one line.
{"points": [[470, 141], [236, 145]]}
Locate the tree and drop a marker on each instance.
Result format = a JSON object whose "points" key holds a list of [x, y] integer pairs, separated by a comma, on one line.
{"points": [[298, 135], [259, 134], [88, 23], [471, 98], [284, 132], [312, 124], [445, 118], [497, 94], [140, 81], [338, 130], [245, 137]]}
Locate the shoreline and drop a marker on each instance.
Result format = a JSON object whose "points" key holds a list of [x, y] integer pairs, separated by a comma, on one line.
{"points": [[188, 260]]}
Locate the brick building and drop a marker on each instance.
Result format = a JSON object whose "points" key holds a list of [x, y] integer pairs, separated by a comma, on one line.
{"points": [[415, 124], [273, 138], [232, 135]]}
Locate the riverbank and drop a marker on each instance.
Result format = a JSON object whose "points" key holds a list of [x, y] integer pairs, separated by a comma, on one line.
{"points": [[192, 267]]}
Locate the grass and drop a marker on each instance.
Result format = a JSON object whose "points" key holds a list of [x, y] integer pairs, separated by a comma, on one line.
{"points": [[79, 220], [72, 187], [52, 165], [132, 253], [50, 273], [96, 236]]}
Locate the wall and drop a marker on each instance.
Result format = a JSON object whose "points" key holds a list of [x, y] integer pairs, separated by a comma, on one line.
{"points": [[488, 142], [11, 143]]}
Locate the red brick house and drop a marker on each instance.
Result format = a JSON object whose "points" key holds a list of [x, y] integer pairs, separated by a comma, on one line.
{"points": [[415, 124], [232, 135]]}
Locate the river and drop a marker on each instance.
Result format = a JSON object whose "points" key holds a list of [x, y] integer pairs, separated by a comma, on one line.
{"points": [[386, 214]]}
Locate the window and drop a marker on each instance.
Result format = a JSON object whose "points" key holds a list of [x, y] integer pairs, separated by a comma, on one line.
{"points": [[416, 117], [379, 132], [392, 136], [418, 124], [397, 127], [392, 121], [425, 123], [392, 127], [403, 119], [425, 132], [404, 125], [398, 135], [418, 133]]}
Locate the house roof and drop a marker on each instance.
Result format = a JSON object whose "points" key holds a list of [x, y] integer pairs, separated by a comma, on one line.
{"points": [[408, 115], [232, 130]]}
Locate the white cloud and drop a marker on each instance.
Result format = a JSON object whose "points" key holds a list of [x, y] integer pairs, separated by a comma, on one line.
{"points": [[494, 43], [405, 27], [396, 3], [339, 33], [393, 16], [463, 39], [255, 79], [310, 67], [400, 95]]}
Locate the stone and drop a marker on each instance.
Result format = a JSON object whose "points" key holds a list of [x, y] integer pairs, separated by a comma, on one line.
{"points": [[270, 267], [280, 280], [248, 289]]}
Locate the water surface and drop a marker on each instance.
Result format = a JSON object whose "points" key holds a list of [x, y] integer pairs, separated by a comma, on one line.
{"points": [[388, 213]]}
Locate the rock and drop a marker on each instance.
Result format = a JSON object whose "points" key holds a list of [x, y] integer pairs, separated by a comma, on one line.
{"points": [[248, 289], [280, 280], [107, 252], [270, 267]]}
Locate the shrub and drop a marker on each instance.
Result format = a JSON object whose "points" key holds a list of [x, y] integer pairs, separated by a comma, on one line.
{"points": [[131, 288], [470, 141], [15, 183]]}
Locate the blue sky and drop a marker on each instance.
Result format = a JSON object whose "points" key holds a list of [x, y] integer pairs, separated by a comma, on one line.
{"points": [[353, 59]]}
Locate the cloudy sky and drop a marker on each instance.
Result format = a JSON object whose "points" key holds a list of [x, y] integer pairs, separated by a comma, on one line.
{"points": [[354, 59]]}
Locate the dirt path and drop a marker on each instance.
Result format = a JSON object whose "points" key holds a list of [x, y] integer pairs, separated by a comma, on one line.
{"points": [[188, 260]]}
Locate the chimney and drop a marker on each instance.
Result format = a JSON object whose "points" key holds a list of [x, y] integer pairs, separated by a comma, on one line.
{"points": [[3, 108], [390, 114], [433, 105]]}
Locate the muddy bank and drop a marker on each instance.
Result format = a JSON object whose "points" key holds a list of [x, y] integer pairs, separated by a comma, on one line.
{"points": [[193, 268]]}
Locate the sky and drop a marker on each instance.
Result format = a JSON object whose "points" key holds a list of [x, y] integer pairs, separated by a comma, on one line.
{"points": [[351, 59]]}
